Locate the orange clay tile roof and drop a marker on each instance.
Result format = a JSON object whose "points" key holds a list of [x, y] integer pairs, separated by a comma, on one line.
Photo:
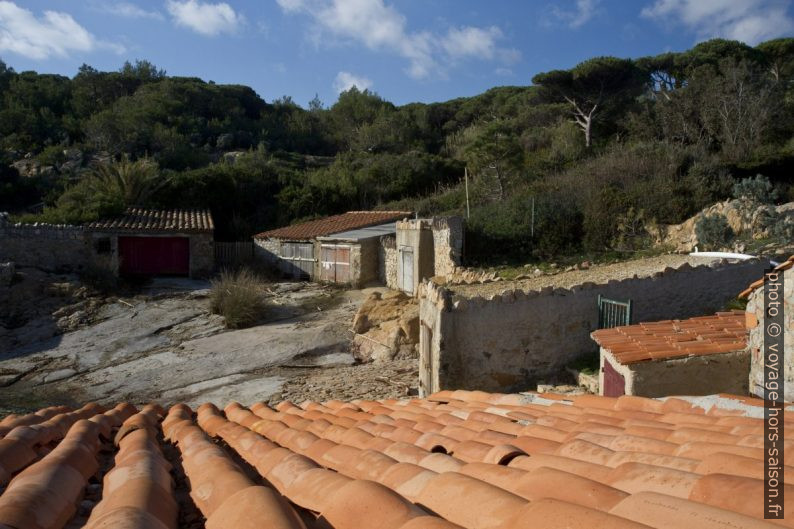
{"points": [[782, 267], [724, 332], [156, 220], [351, 220], [456, 459]]}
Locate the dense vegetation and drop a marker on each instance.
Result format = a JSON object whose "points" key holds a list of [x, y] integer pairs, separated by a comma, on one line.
{"points": [[586, 159]]}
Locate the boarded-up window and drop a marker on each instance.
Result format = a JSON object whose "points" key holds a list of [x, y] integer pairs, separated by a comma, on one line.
{"points": [[297, 259], [335, 263]]}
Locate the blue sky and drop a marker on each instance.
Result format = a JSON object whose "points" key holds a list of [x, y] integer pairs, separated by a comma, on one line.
{"points": [[405, 50]]}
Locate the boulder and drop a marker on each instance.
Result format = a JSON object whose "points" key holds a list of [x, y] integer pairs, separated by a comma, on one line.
{"points": [[386, 325]]}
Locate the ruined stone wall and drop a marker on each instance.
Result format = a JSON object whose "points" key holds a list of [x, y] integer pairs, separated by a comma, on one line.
{"points": [[387, 261], [45, 246], [448, 237], [695, 375], [515, 338], [755, 344]]}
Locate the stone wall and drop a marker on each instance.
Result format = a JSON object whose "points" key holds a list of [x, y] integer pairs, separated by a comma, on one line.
{"points": [[369, 261], [387, 261], [510, 341], [695, 375], [268, 250], [755, 344], [448, 237], [202, 254], [45, 246]]}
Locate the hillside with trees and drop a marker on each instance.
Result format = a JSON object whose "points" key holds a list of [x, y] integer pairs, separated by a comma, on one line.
{"points": [[586, 159]]}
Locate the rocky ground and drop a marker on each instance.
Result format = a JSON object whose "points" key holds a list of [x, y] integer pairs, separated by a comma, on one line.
{"points": [[162, 344]]}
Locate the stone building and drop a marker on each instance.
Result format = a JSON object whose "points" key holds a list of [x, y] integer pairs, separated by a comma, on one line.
{"points": [[755, 322], [139, 242], [339, 249], [421, 249], [697, 356], [155, 242], [510, 338]]}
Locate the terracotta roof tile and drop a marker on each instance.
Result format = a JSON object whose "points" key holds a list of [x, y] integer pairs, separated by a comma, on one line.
{"points": [[782, 267], [158, 221], [351, 220], [723, 332], [626, 462]]}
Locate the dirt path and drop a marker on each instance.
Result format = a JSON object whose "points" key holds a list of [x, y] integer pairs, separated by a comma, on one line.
{"points": [[166, 346]]}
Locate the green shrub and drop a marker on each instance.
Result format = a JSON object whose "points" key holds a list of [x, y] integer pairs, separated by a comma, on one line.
{"points": [[237, 296], [758, 189], [713, 232]]}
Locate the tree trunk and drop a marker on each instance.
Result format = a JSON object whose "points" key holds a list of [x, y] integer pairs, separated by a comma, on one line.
{"points": [[587, 132]]}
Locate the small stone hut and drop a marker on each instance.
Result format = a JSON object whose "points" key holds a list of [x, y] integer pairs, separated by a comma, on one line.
{"points": [[339, 249], [697, 356], [150, 242], [421, 249], [755, 322]]}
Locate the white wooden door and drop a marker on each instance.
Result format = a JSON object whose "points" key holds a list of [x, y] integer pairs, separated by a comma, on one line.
{"points": [[407, 256]]}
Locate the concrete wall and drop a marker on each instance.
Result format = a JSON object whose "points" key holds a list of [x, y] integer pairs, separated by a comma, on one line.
{"points": [[512, 340], [415, 236], [696, 375], [49, 247], [755, 344], [387, 261], [448, 241]]}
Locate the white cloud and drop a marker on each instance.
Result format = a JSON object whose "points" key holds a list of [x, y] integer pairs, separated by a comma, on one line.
{"points": [[750, 21], [471, 42], [585, 10], [205, 18], [52, 34], [379, 26], [129, 10], [346, 80]]}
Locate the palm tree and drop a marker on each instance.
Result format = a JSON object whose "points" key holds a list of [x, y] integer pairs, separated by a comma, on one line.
{"points": [[132, 183]]}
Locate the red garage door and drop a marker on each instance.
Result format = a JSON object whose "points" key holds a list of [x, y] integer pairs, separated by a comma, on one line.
{"points": [[154, 256]]}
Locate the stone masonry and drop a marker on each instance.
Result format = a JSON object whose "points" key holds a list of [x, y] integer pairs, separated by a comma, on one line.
{"points": [[515, 338], [755, 344]]}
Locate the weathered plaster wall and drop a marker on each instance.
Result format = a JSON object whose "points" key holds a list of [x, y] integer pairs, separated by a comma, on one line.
{"points": [[696, 375], [417, 236], [512, 340], [48, 247], [755, 344], [448, 240], [387, 261]]}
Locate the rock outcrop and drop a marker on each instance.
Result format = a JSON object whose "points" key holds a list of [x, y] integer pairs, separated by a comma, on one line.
{"points": [[386, 327], [746, 219]]}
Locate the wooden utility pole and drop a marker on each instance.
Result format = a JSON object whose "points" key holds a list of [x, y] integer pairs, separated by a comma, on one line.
{"points": [[466, 177]]}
